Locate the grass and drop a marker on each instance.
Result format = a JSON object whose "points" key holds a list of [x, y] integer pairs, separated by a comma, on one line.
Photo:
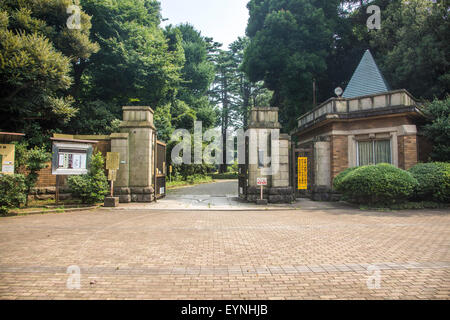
{"points": [[193, 181], [44, 206]]}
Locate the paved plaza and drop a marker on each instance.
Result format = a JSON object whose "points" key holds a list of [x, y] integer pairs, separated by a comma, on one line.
{"points": [[301, 252]]}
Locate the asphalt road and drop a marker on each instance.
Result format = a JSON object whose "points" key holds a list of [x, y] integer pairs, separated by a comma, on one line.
{"points": [[216, 189]]}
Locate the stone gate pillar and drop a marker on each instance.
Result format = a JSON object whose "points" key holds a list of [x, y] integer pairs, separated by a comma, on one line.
{"points": [[266, 141], [135, 143]]}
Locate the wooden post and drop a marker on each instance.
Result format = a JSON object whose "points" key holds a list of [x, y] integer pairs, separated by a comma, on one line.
{"points": [[262, 192], [155, 165], [57, 190], [112, 184]]}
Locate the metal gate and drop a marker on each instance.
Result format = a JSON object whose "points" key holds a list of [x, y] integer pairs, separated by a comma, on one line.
{"points": [[243, 173], [160, 170], [305, 150]]}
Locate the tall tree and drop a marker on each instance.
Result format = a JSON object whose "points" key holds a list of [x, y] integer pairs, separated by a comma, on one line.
{"points": [[197, 75], [290, 40], [248, 94], [37, 54], [222, 94], [136, 61], [413, 47]]}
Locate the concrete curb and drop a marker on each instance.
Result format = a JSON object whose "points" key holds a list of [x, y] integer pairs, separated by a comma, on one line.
{"points": [[16, 214]]}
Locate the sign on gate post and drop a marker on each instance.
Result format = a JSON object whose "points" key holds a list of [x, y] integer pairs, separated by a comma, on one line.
{"points": [[302, 173], [261, 182]]}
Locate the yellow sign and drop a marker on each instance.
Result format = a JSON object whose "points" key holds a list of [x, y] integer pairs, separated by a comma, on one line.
{"points": [[7, 158], [302, 173], [112, 160], [112, 175], [170, 169]]}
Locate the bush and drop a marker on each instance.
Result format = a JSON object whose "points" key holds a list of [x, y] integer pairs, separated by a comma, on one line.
{"points": [[92, 187], [31, 161], [225, 176], [434, 181], [12, 192], [338, 180], [377, 184], [438, 130]]}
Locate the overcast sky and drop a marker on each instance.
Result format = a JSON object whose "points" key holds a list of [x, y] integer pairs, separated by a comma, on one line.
{"points": [[224, 20]]}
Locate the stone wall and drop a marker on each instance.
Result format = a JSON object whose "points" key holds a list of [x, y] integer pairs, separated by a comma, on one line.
{"points": [[339, 155], [407, 151]]}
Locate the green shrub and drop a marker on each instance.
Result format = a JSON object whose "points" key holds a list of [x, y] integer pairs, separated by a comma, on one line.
{"points": [[31, 161], [92, 187], [434, 181], [377, 184], [225, 176], [12, 192], [338, 180]]}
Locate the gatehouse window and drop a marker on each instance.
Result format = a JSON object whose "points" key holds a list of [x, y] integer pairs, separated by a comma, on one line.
{"points": [[373, 152]]}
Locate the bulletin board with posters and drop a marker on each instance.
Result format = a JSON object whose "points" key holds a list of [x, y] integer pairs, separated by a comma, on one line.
{"points": [[7, 152], [71, 158]]}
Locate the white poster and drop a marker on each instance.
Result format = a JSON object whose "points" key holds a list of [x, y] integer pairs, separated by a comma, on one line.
{"points": [[61, 160], [77, 161], [66, 160], [8, 168], [83, 161]]}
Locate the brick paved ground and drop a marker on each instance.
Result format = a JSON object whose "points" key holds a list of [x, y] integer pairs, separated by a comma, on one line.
{"points": [[301, 254]]}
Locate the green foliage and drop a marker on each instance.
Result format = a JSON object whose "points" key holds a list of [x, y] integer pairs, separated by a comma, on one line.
{"points": [[434, 181], [225, 176], [377, 184], [177, 180], [12, 192], [163, 123], [37, 54], [136, 61], [92, 187], [36, 160], [438, 130], [290, 41], [413, 47], [94, 117], [340, 177], [198, 71], [21, 149], [408, 205], [294, 42], [31, 161]]}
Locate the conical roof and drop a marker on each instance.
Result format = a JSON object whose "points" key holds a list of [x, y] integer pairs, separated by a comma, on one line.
{"points": [[367, 79]]}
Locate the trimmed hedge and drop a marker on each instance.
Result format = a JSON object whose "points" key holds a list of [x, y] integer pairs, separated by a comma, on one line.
{"points": [[338, 179], [376, 184], [434, 181], [12, 192]]}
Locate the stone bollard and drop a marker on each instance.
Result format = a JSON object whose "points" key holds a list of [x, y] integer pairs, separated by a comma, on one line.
{"points": [[111, 202]]}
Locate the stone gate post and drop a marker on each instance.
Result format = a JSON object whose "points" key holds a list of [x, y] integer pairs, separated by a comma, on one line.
{"points": [[135, 143], [265, 140]]}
